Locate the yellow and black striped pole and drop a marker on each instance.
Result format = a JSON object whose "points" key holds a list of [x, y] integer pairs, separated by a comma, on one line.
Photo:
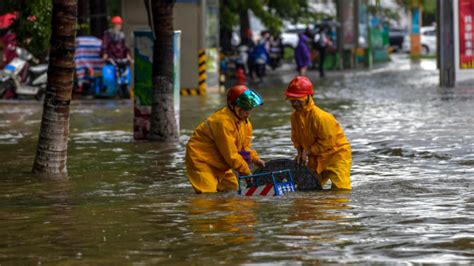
{"points": [[202, 72], [202, 76]]}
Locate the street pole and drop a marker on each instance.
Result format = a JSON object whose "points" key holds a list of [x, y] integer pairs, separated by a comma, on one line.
{"points": [[356, 32], [340, 34], [445, 43]]}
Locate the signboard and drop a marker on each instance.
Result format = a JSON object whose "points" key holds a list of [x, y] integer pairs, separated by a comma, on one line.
{"points": [[463, 42], [466, 23], [142, 99]]}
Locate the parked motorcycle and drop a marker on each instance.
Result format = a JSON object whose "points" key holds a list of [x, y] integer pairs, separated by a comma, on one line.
{"points": [[20, 81]]}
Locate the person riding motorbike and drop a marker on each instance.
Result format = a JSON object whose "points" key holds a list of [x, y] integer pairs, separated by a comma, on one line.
{"points": [[317, 136], [113, 42], [220, 146], [115, 51], [259, 57]]}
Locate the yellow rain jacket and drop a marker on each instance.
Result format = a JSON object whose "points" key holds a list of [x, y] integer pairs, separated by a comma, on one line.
{"points": [[212, 152], [315, 130]]}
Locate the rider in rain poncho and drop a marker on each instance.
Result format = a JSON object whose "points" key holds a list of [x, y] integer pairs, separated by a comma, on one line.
{"points": [[220, 146], [318, 137]]}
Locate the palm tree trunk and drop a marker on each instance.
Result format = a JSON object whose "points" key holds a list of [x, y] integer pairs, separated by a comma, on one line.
{"points": [[51, 153], [163, 125]]}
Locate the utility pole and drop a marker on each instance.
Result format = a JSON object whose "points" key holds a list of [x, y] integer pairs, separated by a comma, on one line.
{"points": [[445, 43], [340, 35]]}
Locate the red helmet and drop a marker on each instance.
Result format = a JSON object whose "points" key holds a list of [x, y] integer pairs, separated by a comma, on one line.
{"points": [[117, 20], [299, 87], [243, 97], [235, 92]]}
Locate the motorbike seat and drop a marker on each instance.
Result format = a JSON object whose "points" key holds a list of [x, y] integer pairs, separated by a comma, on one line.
{"points": [[39, 68]]}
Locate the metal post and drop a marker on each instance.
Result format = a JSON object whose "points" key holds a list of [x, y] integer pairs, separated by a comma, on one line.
{"points": [[340, 34], [446, 43]]}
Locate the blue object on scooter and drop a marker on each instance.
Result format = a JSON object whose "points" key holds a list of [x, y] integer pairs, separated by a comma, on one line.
{"points": [[116, 79], [109, 84]]}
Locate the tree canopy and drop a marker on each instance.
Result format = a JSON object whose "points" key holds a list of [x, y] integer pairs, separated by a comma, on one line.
{"points": [[271, 12]]}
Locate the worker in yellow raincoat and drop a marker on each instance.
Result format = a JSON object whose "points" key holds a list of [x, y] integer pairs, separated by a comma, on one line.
{"points": [[220, 146], [318, 137]]}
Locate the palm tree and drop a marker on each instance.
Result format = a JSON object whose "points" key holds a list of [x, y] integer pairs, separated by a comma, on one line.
{"points": [[51, 153], [163, 125]]}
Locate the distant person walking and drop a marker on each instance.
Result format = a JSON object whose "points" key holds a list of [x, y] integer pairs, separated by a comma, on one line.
{"points": [[302, 55], [322, 41]]}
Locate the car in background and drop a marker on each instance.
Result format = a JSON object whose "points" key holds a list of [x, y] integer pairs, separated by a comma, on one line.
{"points": [[428, 41], [289, 36], [396, 37]]}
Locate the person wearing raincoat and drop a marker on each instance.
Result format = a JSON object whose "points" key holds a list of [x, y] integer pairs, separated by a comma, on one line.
{"points": [[302, 54], [220, 146], [318, 137]]}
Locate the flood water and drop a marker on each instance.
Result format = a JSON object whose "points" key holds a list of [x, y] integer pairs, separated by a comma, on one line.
{"points": [[130, 202]]}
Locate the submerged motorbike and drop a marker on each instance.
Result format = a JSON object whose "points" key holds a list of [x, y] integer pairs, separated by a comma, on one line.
{"points": [[18, 80]]}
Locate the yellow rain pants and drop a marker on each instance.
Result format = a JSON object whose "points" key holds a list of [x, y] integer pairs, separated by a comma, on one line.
{"points": [[212, 152], [317, 131]]}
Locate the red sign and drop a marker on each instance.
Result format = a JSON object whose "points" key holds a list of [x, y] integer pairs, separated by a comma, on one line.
{"points": [[466, 30]]}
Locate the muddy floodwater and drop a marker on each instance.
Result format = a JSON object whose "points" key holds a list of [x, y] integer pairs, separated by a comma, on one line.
{"points": [[130, 202]]}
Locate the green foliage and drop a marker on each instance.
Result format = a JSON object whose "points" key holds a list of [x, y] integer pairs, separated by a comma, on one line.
{"points": [[271, 12], [33, 27], [427, 5], [428, 10]]}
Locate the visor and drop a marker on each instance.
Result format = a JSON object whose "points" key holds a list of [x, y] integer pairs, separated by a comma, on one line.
{"points": [[248, 100]]}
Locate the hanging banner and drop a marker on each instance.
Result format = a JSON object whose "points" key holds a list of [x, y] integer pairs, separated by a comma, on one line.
{"points": [[363, 25], [466, 49], [415, 21]]}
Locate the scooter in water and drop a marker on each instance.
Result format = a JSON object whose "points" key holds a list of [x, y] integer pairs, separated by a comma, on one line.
{"points": [[20, 81], [116, 79]]}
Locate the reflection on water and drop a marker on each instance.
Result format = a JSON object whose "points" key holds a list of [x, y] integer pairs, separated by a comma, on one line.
{"points": [[130, 201]]}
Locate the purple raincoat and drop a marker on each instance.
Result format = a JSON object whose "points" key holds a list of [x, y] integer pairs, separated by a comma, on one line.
{"points": [[302, 55]]}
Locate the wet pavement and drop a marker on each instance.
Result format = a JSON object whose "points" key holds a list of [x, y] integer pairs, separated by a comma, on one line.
{"points": [[130, 202]]}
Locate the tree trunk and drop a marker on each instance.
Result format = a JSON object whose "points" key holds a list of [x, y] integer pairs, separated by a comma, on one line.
{"points": [[163, 126], [98, 20], [83, 17], [244, 24], [51, 153], [225, 39]]}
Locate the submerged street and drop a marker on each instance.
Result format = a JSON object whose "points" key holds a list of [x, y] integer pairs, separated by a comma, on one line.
{"points": [[127, 201]]}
